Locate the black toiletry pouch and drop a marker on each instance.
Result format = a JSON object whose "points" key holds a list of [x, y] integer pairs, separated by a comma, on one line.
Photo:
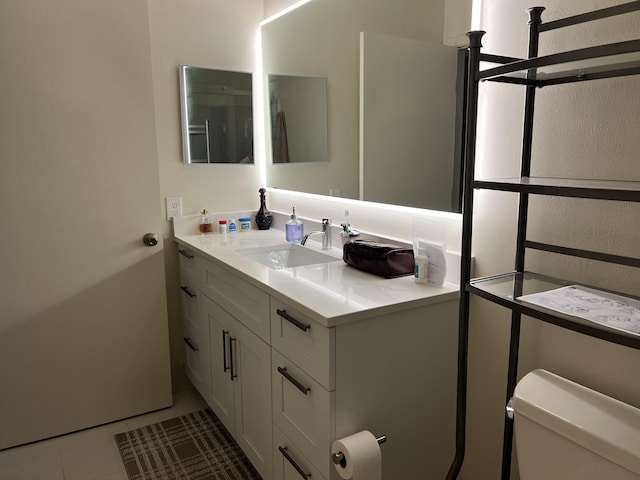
{"points": [[382, 259]]}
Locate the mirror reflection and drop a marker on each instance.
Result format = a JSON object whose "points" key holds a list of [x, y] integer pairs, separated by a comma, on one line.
{"points": [[298, 114], [395, 102], [217, 116]]}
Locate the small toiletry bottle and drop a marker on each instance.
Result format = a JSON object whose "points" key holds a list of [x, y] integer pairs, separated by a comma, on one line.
{"points": [[294, 229], [232, 225], [244, 224], [421, 271], [348, 234], [222, 226], [205, 223]]}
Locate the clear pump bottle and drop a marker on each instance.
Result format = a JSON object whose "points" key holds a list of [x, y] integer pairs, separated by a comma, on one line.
{"points": [[294, 229]]}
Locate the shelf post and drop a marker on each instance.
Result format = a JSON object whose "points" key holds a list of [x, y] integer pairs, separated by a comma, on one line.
{"points": [[475, 44], [535, 19]]}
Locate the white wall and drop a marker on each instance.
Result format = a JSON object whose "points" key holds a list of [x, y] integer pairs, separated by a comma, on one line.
{"points": [[584, 130], [272, 7], [217, 34]]}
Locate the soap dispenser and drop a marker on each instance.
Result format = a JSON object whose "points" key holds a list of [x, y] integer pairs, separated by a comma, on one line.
{"points": [[294, 229]]}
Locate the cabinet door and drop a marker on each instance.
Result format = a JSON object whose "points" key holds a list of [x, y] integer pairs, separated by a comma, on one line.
{"points": [[220, 394], [250, 363], [195, 332]]}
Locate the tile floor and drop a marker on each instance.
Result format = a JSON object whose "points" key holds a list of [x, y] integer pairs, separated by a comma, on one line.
{"points": [[88, 455]]}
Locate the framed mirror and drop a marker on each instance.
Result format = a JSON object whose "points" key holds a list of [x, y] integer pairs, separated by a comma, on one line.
{"points": [[217, 116]]}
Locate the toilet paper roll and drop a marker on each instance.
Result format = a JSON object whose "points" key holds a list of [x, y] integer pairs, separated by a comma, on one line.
{"points": [[362, 457]]}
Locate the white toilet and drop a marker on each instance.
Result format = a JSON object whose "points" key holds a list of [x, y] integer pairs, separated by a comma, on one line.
{"points": [[564, 431]]}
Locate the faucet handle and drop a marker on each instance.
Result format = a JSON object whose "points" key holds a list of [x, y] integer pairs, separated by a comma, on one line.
{"points": [[326, 221]]}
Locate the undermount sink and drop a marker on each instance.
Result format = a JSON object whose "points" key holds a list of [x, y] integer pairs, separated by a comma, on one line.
{"points": [[291, 255]]}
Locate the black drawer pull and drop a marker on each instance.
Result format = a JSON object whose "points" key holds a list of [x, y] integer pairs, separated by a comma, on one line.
{"points": [[187, 340], [286, 455], [289, 318], [296, 383], [224, 350], [232, 374], [185, 253], [186, 290]]}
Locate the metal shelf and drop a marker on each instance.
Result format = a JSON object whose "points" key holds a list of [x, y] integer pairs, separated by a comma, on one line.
{"points": [[591, 63], [505, 289], [566, 187], [602, 61]]}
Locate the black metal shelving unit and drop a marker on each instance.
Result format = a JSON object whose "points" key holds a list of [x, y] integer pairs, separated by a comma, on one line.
{"points": [[599, 62]]}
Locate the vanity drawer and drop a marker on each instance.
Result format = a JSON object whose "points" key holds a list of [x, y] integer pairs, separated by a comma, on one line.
{"points": [[195, 333], [248, 304], [187, 262], [310, 345], [196, 357], [302, 409], [289, 462]]}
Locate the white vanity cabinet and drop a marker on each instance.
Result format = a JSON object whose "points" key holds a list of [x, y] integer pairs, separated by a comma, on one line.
{"points": [[195, 330], [240, 393], [392, 374], [298, 360], [226, 359], [302, 377]]}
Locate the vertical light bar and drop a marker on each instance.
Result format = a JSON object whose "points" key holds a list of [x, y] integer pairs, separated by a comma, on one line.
{"points": [[259, 152], [476, 15], [186, 139]]}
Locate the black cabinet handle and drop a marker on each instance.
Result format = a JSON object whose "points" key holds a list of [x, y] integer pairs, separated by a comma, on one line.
{"points": [[187, 340], [231, 369], [289, 318], [185, 253], [296, 383], [293, 463], [186, 290], [224, 350]]}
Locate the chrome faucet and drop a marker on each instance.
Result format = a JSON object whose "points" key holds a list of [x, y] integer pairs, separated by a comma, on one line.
{"points": [[326, 234]]}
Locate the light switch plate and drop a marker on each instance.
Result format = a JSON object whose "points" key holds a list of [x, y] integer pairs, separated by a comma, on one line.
{"points": [[174, 207]]}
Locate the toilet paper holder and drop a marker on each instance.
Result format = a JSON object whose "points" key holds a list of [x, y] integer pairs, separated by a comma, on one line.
{"points": [[338, 457]]}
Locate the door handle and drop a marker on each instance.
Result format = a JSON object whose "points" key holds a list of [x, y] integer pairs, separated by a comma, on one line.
{"points": [[150, 239]]}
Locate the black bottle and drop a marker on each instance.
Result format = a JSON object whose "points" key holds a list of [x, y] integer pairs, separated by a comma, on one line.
{"points": [[263, 217]]}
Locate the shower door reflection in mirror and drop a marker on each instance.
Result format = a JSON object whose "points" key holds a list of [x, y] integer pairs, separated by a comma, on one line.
{"points": [[217, 116]]}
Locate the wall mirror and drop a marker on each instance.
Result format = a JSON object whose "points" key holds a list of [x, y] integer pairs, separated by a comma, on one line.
{"points": [[298, 118], [217, 116], [395, 99]]}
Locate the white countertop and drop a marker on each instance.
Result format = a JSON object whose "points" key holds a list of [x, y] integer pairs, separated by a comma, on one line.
{"points": [[330, 293]]}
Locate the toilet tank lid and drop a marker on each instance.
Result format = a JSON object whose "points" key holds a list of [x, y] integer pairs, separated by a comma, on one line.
{"points": [[604, 425]]}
